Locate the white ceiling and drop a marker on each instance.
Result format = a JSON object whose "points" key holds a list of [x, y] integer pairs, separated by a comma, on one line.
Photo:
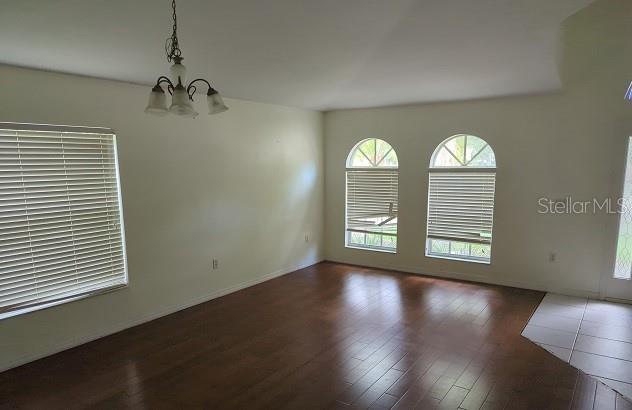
{"points": [[321, 54]]}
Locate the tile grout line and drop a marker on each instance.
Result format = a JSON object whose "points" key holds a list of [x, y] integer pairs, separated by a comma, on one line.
{"points": [[603, 355], [570, 357], [576, 335]]}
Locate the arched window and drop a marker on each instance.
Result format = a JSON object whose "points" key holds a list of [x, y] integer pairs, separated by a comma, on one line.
{"points": [[372, 196], [461, 187]]}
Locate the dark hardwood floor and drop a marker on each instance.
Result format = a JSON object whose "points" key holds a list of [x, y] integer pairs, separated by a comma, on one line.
{"points": [[328, 336]]}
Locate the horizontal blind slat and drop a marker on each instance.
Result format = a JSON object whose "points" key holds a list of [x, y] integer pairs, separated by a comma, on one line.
{"points": [[55, 276], [70, 288], [72, 254], [25, 281]]}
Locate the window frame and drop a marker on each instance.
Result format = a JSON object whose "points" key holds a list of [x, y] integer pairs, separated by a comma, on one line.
{"points": [[625, 204], [350, 168], [464, 168], [9, 312]]}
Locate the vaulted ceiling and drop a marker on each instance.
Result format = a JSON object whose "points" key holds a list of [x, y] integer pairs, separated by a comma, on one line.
{"points": [[320, 54]]}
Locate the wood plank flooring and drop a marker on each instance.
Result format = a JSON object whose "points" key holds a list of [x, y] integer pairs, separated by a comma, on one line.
{"points": [[328, 336]]}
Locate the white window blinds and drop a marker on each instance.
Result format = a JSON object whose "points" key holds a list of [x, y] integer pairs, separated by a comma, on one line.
{"points": [[461, 206], [61, 231], [372, 201]]}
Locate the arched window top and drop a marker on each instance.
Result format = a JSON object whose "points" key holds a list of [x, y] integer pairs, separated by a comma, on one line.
{"points": [[463, 151], [372, 153]]}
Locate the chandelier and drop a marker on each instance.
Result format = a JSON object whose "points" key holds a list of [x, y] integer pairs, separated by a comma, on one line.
{"points": [[181, 96]]}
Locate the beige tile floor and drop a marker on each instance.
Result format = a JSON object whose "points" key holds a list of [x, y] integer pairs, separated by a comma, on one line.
{"points": [[594, 336]]}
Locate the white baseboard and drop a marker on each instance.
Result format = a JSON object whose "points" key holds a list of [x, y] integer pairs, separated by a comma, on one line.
{"points": [[543, 287], [146, 318]]}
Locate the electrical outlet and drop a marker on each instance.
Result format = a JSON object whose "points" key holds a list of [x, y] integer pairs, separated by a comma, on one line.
{"points": [[306, 237], [215, 263], [552, 257]]}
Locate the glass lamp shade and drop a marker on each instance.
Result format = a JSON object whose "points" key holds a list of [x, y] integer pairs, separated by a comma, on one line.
{"points": [[181, 104], [178, 73], [157, 104], [215, 103]]}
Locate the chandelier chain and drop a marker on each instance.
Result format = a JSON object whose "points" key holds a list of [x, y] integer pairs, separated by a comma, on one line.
{"points": [[172, 47]]}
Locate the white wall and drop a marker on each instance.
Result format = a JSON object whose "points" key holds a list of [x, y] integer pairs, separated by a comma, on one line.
{"points": [[245, 187], [567, 144]]}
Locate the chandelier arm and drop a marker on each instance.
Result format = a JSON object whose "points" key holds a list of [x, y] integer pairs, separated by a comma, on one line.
{"points": [[211, 90], [162, 79], [191, 89]]}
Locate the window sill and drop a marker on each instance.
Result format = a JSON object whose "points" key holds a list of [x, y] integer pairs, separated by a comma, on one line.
{"points": [[47, 305], [370, 249], [457, 259]]}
